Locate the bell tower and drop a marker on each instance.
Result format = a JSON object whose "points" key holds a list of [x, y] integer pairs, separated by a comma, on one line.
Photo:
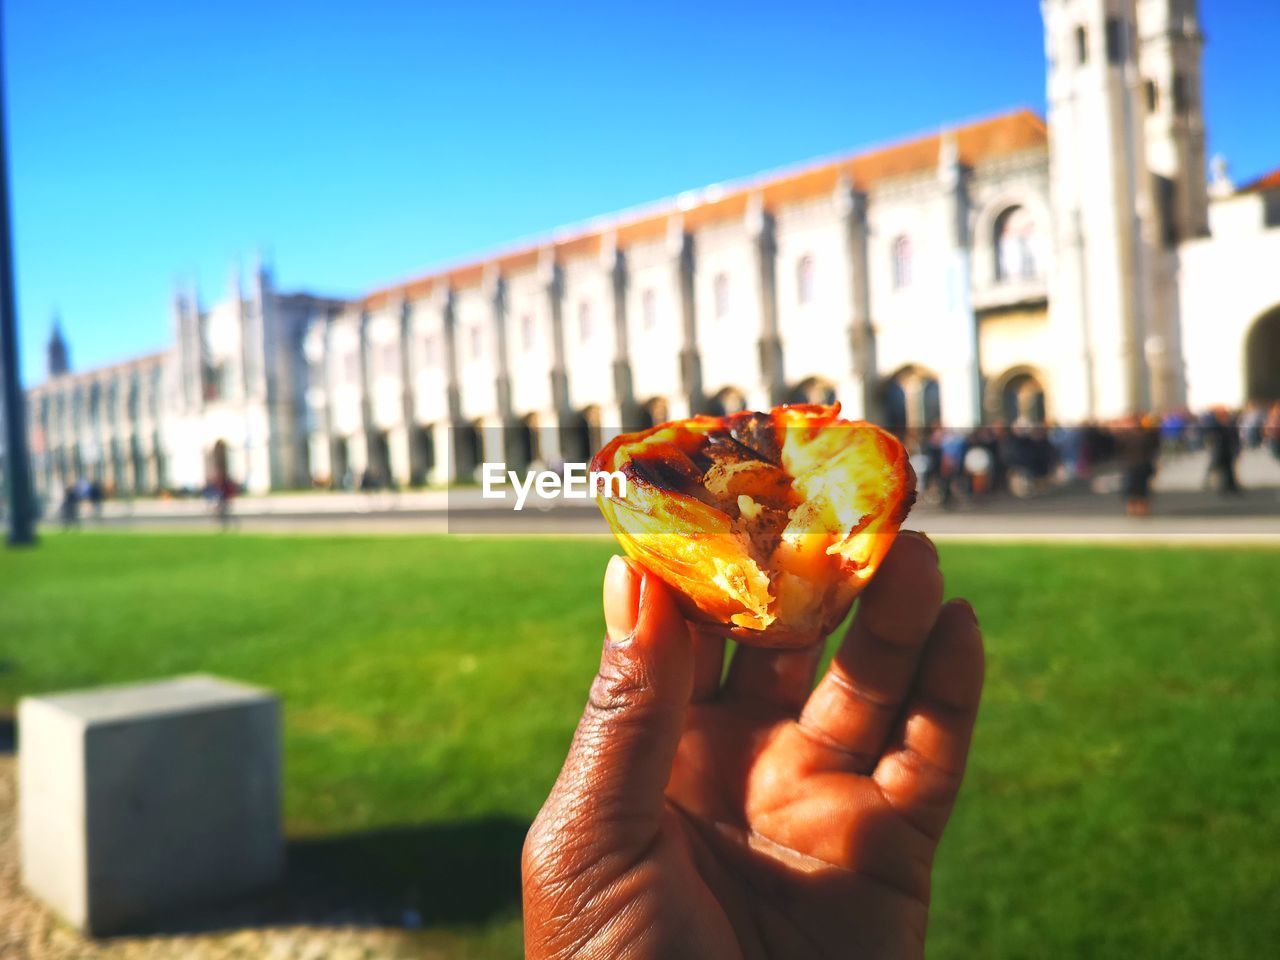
{"points": [[1101, 287], [59, 355], [1169, 53]]}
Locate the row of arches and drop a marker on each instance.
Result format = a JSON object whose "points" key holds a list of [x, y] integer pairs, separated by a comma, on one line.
{"points": [[912, 398]]}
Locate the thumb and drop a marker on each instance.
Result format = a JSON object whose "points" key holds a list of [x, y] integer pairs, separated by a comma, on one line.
{"points": [[626, 741]]}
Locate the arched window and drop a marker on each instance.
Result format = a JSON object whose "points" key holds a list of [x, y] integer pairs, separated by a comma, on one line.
{"points": [[477, 341], [901, 263], [721, 293], [526, 332], [1017, 245], [804, 280], [584, 321]]}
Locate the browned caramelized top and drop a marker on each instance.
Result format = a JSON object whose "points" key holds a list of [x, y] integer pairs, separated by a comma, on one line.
{"points": [[735, 468]]}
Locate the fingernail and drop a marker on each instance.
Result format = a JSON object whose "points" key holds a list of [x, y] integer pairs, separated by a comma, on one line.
{"points": [[621, 600], [962, 602], [919, 535]]}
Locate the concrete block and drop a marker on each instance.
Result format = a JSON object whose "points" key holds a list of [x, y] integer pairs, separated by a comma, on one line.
{"points": [[137, 800]]}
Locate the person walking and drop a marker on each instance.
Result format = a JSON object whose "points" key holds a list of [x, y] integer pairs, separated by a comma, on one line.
{"points": [[1222, 437], [1137, 444], [1271, 429]]}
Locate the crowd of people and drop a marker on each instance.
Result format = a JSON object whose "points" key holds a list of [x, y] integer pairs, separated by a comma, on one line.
{"points": [[1025, 459]]}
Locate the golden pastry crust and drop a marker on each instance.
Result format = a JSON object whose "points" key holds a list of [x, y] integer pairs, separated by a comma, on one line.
{"points": [[767, 525]]}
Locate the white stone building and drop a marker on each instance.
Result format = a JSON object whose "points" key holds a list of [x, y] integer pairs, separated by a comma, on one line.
{"points": [[1079, 268]]}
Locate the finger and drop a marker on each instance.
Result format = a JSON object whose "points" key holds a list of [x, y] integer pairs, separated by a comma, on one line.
{"points": [[621, 755], [779, 679], [920, 773], [856, 703], [708, 663]]}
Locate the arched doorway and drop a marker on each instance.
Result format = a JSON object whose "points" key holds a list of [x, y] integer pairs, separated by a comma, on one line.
{"points": [[522, 442], [340, 458], [378, 475], [1017, 396], [1262, 358], [813, 390], [727, 401], [651, 413], [583, 437], [910, 400], [218, 461], [467, 450], [422, 454]]}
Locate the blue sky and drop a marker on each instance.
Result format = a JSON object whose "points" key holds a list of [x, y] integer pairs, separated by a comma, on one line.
{"points": [[359, 143]]}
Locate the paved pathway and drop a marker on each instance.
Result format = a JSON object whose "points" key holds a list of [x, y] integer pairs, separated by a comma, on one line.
{"points": [[1182, 511]]}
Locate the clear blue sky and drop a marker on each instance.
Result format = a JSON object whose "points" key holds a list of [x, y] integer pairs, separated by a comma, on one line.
{"points": [[360, 143]]}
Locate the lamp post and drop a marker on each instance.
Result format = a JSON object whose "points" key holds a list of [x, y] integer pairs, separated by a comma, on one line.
{"points": [[18, 493]]}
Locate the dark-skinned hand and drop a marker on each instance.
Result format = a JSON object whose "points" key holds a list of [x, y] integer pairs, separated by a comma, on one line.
{"points": [[758, 817]]}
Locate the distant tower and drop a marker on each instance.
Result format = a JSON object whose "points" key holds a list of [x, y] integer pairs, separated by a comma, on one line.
{"points": [[1169, 54], [59, 355], [1100, 298]]}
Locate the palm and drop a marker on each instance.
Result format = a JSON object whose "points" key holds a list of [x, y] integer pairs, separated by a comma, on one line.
{"points": [[797, 821], [778, 845]]}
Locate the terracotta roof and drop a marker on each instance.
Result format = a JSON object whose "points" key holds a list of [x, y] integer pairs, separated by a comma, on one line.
{"points": [[976, 143], [1268, 181]]}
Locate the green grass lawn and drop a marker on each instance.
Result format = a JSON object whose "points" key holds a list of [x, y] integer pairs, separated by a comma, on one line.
{"points": [[1121, 800]]}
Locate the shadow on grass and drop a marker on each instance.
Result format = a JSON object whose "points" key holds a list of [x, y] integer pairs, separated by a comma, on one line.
{"points": [[431, 875], [8, 734]]}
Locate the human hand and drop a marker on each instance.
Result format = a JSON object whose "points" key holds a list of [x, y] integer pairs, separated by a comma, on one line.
{"points": [[759, 817]]}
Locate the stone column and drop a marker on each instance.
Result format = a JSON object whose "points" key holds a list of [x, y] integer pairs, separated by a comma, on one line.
{"points": [[683, 263], [553, 282], [408, 391], [446, 446], [761, 227], [614, 264], [961, 378], [327, 426], [367, 427], [494, 286], [859, 391]]}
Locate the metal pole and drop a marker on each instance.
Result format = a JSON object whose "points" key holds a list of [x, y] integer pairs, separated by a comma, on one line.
{"points": [[21, 503]]}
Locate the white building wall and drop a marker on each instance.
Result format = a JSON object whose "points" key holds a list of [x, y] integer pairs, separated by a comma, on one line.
{"points": [[387, 387], [477, 346], [430, 389], [729, 344], [344, 377], [815, 335], [905, 317], [655, 333], [530, 345], [589, 353], [1227, 283]]}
